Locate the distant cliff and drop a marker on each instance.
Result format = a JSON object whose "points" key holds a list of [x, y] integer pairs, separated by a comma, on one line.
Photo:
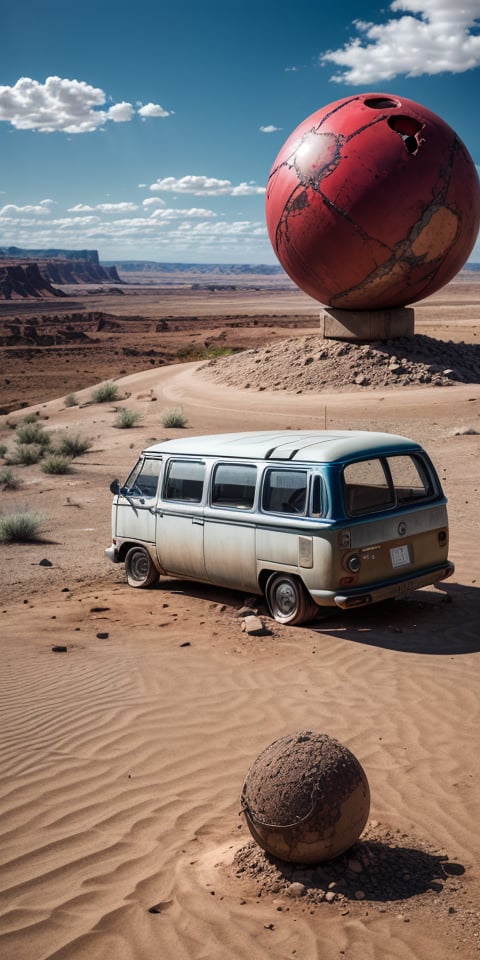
{"points": [[77, 271], [138, 266], [18, 253], [32, 273], [19, 281]]}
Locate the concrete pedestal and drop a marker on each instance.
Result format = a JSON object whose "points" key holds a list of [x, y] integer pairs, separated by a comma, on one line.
{"points": [[367, 325]]}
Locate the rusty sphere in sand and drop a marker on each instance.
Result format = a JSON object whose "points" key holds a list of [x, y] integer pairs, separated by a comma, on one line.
{"points": [[306, 798]]}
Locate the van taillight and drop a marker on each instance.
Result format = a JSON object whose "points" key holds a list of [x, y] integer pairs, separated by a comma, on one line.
{"points": [[353, 562]]}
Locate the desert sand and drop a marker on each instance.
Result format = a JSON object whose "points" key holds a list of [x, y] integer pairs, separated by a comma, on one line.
{"points": [[123, 757]]}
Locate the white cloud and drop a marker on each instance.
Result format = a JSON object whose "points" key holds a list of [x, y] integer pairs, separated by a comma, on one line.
{"points": [[150, 202], [176, 214], [69, 106], [153, 110], [205, 186], [123, 207], [269, 128], [120, 112], [152, 229], [41, 209], [429, 37]]}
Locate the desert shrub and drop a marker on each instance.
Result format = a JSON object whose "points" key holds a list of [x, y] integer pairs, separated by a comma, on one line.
{"points": [[70, 400], [56, 463], [8, 480], [3, 449], [105, 392], [31, 418], [32, 433], [174, 418], [20, 526], [25, 454], [126, 419], [71, 445]]}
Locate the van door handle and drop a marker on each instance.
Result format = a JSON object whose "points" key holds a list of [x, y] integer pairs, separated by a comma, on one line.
{"points": [[198, 520]]}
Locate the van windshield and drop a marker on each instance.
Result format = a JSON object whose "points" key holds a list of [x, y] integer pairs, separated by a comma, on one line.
{"points": [[383, 483], [143, 480]]}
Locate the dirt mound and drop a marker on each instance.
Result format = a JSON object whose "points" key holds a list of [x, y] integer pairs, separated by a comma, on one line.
{"points": [[309, 363], [386, 867]]}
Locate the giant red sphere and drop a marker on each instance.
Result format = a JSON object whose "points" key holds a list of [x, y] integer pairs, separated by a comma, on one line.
{"points": [[373, 202]]}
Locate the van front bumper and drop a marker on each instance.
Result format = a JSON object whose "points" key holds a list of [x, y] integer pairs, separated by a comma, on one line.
{"points": [[393, 589], [111, 553]]}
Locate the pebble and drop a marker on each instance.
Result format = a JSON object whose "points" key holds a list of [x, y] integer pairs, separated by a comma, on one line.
{"points": [[295, 890]]}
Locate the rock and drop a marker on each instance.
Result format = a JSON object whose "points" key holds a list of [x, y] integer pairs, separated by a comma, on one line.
{"points": [[59, 648], [45, 563], [160, 906], [295, 890], [254, 626]]}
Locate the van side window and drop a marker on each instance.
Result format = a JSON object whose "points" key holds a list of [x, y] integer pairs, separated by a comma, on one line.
{"points": [[234, 485], [319, 497], [143, 480], [410, 479], [366, 487], [285, 491], [184, 481]]}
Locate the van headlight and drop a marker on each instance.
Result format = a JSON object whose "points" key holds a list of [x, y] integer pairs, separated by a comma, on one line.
{"points": [[353, 562]]}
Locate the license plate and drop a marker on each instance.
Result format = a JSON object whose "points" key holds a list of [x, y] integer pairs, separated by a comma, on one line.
{"points": [[400, 556]]}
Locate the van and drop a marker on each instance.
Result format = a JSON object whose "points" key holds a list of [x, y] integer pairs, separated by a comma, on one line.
{"points": [[306, 519]]}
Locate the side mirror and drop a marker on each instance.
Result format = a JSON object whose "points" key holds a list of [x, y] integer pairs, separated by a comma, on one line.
{"points": [[115, 486]]}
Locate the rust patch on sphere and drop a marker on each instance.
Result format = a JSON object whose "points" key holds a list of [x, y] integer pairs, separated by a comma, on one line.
{"points": [[306, 798]]}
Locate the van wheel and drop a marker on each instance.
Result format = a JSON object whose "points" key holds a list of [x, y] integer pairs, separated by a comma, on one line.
{"points": [[139, 568], [288, 600]]}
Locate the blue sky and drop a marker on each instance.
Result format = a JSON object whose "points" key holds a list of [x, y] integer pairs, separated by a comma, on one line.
{"points": [[147, 129]]}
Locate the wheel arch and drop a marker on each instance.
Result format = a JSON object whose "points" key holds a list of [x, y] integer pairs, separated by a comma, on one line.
{"points": [[126, 545]]}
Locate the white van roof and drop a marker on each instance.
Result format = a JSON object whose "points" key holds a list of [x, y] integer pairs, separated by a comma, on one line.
{"points": [[322, 446]]}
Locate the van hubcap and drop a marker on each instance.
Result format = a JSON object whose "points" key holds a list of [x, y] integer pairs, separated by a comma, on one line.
{"points": [[286, 598], [139, 566]]}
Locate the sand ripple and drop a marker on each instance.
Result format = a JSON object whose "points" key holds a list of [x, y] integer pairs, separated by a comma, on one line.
{"points": [[123, 765]]}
